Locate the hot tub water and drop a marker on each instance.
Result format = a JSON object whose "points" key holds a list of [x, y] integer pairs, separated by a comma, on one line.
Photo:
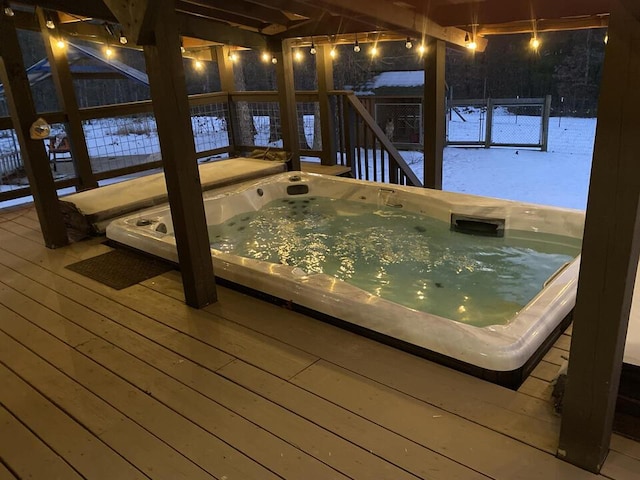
{"points": [[405, 257]]}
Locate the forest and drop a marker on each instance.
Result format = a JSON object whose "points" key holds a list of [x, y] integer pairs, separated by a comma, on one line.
{"points": [[567, 65]]}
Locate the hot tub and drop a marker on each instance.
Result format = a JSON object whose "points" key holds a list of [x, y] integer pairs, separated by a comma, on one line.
{"points": [[477, 337]]}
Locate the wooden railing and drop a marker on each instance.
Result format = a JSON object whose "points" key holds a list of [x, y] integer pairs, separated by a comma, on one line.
{"points": [[358, 142], [363, 146]]}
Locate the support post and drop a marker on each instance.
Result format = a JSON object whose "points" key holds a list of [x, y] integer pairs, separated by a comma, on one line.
{"points": [[63, 83], [33, 152], [287, 100], [609, 254], [228, 84], [324, 69], [433, 108], [173, 118]]}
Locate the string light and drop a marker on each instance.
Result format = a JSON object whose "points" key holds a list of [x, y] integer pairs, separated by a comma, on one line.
{"points": [[422, 49], [49, 23], [265, 57], [8, 11], [535, 43], [122, 37], [356, 46], [374, 51], [333, 52], [408, 44], [274, 59], [470, 44], [606, 38], [182, 49], [108, 51], [61, 43], [198, 65], [313, 49], [233, 57], [297, 55]]}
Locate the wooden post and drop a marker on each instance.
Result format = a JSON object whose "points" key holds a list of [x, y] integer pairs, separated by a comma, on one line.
{"points": [[609, 254], [324, 68], [228, 84], [33, 152], [173, 118], [63, 82], [287, 100], [433, 108]]}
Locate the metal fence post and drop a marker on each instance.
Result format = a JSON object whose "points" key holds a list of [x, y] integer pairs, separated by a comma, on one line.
{"points": [[546, 113], [489, 123]]}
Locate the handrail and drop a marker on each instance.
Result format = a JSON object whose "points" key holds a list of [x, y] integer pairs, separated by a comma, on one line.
{"points": [[384, 141]]}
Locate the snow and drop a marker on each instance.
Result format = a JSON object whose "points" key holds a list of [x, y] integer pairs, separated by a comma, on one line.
{"points": [[412, 78]]}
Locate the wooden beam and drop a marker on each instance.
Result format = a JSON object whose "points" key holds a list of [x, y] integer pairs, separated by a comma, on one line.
{"points": [[324, 71], [220, 32], [244, 9], [208, 13], [228, 84], [563, 24], [136, 18], [63, 82], [381, 13], [34, 156], [301, 9], [173, 118], [610, 252], [93, 8], [433, 113], [287, 100], [506, 11]]}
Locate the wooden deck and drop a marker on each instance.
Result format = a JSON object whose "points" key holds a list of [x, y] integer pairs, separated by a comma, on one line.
{"points": [[105, 384]]}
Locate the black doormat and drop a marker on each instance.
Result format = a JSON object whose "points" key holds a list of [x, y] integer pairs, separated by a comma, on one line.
{"points": [[120, 268]]}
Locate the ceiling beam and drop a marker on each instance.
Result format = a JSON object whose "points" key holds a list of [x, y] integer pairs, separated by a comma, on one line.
{"points": [[383, 14], [85, 8], [507, 11], [580, 23], [218, 15], [329, 26], [137, 18], [297, 8], [220, 32], [247, 10]]}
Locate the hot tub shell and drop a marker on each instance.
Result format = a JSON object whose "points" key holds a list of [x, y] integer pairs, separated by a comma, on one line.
{"points": [[501, 353]]}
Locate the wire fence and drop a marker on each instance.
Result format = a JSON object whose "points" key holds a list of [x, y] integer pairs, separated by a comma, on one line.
{"points": [[259, 124], [519, 122], [401, 122], [309, 131], [210, 125]]}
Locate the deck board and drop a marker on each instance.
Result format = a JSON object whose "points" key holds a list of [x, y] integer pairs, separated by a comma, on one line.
{"points": [[87, 455], [19, 448], [242, 389]]}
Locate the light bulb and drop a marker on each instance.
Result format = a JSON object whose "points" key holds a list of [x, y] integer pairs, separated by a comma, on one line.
{"points": [[8, 11], [274, 59], [198, 65], [472, 45], [297, 55], [422, 49], [313, 50], [61, 43], [233, 57], [408, 44], [535, 43], [606, 38], [333, 53], [123, 39], [356, 47], [374, 51], [49, 23], [108, 52], [265, 57]]}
